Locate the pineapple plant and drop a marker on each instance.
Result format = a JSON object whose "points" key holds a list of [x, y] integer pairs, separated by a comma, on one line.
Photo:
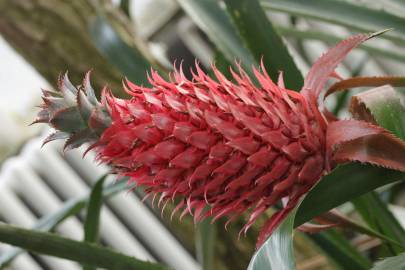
{"points": [[220, 147]]}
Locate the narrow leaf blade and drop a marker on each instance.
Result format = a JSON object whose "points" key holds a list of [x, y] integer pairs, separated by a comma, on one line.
{"points": [[264, 42], [82, 252], [339, 249], [331, 39], [215, 22], [377, 215], [92, 222], [343, 13], [205, 244], [127, 59], [320, 71]]}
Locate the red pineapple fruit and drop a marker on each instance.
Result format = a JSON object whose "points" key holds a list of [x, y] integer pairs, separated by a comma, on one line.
{"points": [[221, 147]]}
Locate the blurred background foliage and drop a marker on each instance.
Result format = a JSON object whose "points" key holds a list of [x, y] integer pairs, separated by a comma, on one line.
{"points": [[127, 38]]}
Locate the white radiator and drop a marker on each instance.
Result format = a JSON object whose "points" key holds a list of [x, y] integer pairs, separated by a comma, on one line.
{"points": [[38, 181]]}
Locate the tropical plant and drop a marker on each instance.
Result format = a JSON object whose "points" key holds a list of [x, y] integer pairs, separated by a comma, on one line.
{"points": [[235, 144]]}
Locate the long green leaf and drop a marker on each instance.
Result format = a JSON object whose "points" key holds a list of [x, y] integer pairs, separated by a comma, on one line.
{"points": [[339, 249], [215, 22], [205, 244], [347, 223], [82, 252], [92, 221], [51, 221], [330, 38], [392, 263], [379, 217], [277, 253], [263, 41], [343, 13], [125, 58], [343, 184]]}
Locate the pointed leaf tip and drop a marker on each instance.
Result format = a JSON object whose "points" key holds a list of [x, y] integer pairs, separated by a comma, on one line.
{"points": [[67, 89], [78, 139], [375, 34], [327, 63], [57, 135], [90, 93]]}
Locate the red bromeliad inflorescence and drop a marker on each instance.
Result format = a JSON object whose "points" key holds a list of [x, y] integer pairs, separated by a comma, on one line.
{"points": [[221, 147], [231, 147]]}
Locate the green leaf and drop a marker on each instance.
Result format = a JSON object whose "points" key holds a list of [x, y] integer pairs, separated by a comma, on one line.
{"points": [[343, 184], [277, 253], [343, 13], [339, 249], [92, 221], [386, 109], [392, 263], [205, 244], [82, 252], [263, 41], [377, 215], [215, 22], [125, 58], [70, 208], [333, 39], [335, 217]]}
